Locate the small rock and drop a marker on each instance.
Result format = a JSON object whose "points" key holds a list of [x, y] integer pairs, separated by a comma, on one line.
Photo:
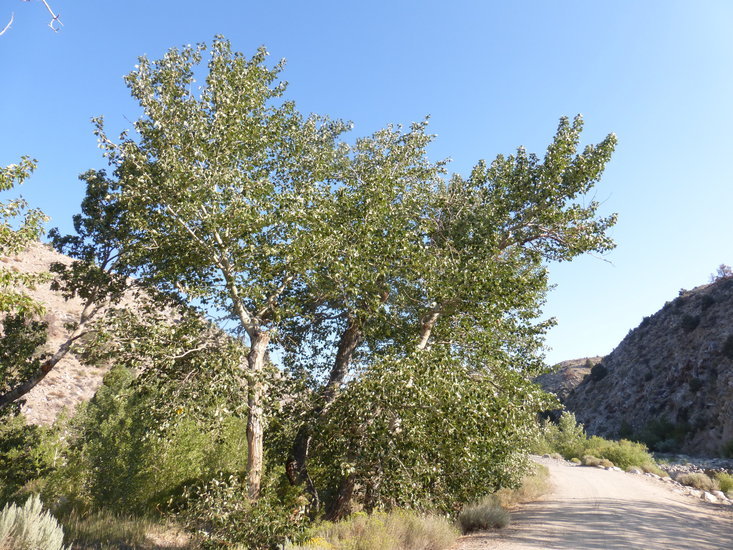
{"points": [[635, 471], [719, 494], [696, 493], [707, 497], [615, 469]]}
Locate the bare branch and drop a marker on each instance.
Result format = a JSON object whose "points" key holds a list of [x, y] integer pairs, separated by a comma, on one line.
{"points": [[54, 17], [12, 18]]}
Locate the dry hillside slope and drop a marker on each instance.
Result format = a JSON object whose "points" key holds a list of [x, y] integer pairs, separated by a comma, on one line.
{"points": [[673, 372], [70, 382]]}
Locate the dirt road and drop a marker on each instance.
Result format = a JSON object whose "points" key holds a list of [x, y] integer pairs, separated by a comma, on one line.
{"points": [[594, 509]]}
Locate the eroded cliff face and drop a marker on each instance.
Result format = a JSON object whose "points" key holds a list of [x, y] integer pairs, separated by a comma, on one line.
{"points": [[673, 373]]}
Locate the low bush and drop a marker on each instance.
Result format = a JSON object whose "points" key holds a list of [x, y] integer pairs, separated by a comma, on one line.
{"points": [[220, 512], [568, 438], [397, 530], [487, 513], [622, 453], [725, 481], [727, 449], [699, 481], [29, 527], [590, 460]]}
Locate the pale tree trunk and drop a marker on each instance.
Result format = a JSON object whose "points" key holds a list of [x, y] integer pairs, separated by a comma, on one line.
{"points": [[259, 340]]}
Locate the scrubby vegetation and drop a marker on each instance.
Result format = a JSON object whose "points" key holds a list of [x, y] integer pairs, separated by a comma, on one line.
{"points": [[699, 481], [568, 438]]}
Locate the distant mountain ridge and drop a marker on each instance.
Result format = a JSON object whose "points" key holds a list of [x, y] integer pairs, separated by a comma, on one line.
{"points": [[670, 380]]}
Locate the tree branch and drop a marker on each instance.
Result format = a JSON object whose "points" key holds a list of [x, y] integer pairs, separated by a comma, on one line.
{"points": [[12, 18]]}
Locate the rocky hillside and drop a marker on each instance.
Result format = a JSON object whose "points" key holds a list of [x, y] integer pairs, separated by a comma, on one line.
{"points": [[566, 376], [70, 382], [670, 381]]}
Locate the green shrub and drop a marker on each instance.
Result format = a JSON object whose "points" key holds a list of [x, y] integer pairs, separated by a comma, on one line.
{"points": [[727, 347], [698, 481], [29, 527], [623, 453], [396, 530], [590, 460], [725, 481], [220, 511], [487, 513], [688, 323], [119, 458], [598, 372], [25, 454], [663, 435], [727, 449]]}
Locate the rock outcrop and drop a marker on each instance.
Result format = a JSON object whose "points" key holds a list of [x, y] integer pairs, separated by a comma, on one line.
{"points": [[670, 379]]}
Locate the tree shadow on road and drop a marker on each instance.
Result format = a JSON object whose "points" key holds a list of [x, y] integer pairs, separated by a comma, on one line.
{"points": [[609, 523]]}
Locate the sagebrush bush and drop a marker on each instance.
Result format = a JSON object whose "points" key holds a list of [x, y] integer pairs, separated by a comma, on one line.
{"points": [[699, 481], [29, 527], [396, 530], [487, 513]]}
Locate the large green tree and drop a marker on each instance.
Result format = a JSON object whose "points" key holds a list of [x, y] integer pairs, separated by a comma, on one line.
{"points": [[362, 262]]}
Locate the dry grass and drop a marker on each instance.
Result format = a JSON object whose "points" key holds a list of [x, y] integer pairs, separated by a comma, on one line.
{"points": [[533, 486], [491, 512], [397, 530], [487, 513], [107, 531], [652, 468], [699, 481]]}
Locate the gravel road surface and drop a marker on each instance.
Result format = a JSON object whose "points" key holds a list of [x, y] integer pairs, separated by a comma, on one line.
{"points": [[595, 509]]}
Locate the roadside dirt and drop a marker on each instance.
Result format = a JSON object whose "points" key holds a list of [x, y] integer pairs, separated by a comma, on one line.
{"points": [[595, 509]]}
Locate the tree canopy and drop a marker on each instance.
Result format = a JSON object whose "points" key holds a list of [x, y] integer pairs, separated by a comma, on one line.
{"points": [[396, 294]]}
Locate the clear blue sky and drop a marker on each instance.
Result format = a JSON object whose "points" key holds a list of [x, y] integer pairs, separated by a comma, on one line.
{"points": [[492, 75]]}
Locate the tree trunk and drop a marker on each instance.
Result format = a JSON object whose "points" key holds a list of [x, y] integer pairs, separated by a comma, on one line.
{"points": [[259, 341], [296, 466], [341, 507]]}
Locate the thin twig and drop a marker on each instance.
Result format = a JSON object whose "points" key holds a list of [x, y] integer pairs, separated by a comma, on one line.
{"points": [[55, 17]]}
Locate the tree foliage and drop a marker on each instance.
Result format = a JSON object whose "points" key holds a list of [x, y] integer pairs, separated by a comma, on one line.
{"points": [[402, 300], [19, 227]]}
